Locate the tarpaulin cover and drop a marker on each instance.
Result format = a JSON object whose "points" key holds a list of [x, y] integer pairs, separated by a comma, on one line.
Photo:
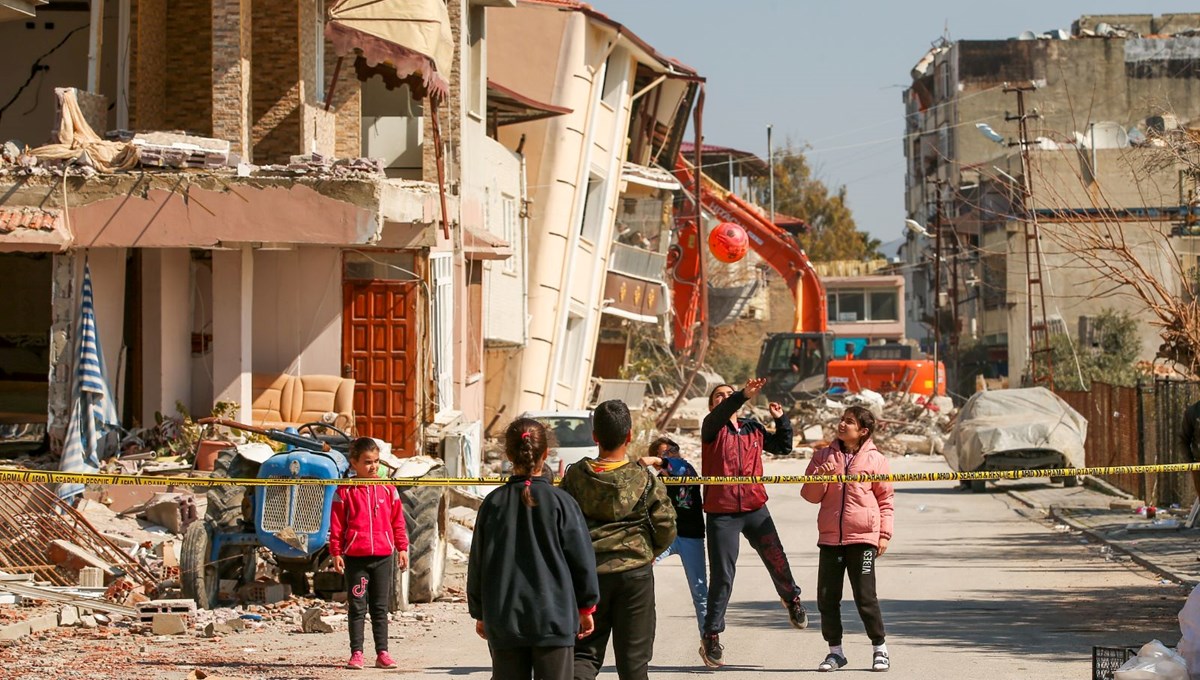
{"points": [[412, 36], [997, 421]]}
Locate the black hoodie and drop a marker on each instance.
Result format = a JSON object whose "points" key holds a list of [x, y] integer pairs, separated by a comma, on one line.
{"points": [[531, 569]]}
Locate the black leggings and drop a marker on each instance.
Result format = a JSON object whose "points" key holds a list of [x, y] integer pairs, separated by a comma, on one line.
{"points": [[724, 536], [859, 562], [369, 586]]}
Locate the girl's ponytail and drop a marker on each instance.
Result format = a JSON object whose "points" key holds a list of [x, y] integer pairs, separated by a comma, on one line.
{"points": [[525, 446]]}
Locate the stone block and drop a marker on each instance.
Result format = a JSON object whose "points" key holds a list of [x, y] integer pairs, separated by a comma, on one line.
{"points": [[69, 616], [91, 577], [311, 622], [169, 624]]}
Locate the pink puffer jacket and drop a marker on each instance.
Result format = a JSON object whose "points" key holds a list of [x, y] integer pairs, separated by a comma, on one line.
{"points": [[367, 521], [854, 513]]}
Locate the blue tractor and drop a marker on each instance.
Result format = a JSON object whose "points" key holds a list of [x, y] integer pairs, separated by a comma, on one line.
{"points": [[292, 522]]}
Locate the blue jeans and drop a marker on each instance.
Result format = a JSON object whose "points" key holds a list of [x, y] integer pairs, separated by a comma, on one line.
{"points": [[691, 552]]}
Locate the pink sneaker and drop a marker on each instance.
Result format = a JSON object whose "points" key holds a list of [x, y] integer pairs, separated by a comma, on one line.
{"points": [[356, 661], [384, 660]]}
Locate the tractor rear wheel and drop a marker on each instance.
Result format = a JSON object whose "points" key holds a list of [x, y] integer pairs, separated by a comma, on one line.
{"points": [[427, 519]]}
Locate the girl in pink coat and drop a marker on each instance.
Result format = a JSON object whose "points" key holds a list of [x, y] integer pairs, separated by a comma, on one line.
{"points": [[855, 525]]}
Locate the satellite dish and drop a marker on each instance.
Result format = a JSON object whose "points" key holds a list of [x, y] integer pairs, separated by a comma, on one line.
{"points": [[1027, 35]]}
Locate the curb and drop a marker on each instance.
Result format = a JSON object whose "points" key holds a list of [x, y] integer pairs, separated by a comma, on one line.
{"points": [[1135, 554]]}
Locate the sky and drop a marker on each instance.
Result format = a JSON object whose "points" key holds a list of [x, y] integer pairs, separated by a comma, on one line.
{"points": [[830, 73]]}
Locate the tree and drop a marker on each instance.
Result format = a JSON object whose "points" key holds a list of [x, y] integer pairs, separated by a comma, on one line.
{"points": [[833, 234], [1113, 360]]}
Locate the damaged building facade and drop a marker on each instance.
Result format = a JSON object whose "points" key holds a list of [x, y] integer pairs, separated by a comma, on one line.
{"points": [[601, 201], [286, 223], [1099, 96]]}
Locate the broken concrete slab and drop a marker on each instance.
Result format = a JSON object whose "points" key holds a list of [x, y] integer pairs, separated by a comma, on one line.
{"points": [[88, 621], [43, 622], [169, 624], [175, 511], [15, 631], [311, 622], [67, 554]]}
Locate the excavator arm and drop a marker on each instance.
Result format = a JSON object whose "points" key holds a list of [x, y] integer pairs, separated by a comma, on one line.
{"points": [[768, 241]]}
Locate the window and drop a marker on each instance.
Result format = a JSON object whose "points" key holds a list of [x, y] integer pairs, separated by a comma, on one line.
{"points": [[475, 319], [947, 86], [477, 87], [852, 306], [442, 269], [616, 69], [593, 208], [508, 209], [572, 355]]}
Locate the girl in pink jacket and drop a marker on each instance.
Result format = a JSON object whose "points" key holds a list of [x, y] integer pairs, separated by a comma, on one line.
{"points": [[368, 540], [855, 525]]}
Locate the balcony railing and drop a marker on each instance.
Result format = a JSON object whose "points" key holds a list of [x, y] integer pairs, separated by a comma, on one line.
{"points": [[636, 262]]}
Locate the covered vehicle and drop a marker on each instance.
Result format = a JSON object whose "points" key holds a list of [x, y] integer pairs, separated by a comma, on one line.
{"points": [[1019, 429], [570, 437]]}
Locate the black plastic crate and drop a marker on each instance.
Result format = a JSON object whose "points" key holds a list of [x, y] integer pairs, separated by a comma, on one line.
{"points": [[1106, 660]]}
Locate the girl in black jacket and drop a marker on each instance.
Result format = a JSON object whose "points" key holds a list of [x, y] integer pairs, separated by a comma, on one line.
{"points": [[531, 580]]}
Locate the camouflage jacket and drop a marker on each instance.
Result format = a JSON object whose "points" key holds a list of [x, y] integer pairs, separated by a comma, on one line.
{"points": [[628, 514]]}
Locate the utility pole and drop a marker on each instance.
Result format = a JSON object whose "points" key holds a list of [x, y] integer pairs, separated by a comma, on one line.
{"points": [[771, 172], [937, 284], [1038, 329]]}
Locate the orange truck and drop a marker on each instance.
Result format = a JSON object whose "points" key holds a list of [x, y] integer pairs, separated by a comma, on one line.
{"points": [[799, 364]]}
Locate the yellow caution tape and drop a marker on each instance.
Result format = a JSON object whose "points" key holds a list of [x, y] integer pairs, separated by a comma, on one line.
{"points": [[12, 476]]}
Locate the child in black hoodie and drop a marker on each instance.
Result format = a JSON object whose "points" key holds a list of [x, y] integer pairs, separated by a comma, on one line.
{"points": [[531, 580]]}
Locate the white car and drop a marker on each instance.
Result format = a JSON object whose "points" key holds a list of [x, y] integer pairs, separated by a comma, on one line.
{"points": [[570, 435]]}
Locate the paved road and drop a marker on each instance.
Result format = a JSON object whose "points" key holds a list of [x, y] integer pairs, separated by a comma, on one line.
{"points": [[973, 586]]}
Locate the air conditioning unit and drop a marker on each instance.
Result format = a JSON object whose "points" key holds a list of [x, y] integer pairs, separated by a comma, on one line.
{"points": [[462, 451]]}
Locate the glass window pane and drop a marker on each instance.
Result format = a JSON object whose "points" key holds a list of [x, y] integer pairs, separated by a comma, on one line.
{"points": [[851, 306], [883, 306]]}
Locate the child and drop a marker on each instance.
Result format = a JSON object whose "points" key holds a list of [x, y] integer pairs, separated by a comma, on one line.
{"points": [[732, 447], [533, 553], [855, 525], [631, 522], [366, 527], [689, 521]]}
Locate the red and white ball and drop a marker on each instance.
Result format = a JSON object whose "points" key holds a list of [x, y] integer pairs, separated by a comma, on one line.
{"points": [[728, 242]]}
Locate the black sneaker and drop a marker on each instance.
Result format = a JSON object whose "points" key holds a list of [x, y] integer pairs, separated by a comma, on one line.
{"points": [[796, 614], [832, 662], [881, 662], [712, 651]]}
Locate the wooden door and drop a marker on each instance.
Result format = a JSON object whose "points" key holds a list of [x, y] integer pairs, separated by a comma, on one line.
{"points": [[380, 351]]}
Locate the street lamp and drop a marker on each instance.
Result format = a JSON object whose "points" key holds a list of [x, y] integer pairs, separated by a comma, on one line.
{"points": [[919, 229]]}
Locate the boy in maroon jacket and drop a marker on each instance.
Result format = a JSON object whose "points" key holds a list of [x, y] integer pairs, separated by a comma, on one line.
{"points": [[732, 447], [366, 527]]}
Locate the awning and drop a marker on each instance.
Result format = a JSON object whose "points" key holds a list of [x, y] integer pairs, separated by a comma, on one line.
{"points": [[482, 245], [655, 178], [411, 36], [29, 229], [632, 316], [508, 107]]}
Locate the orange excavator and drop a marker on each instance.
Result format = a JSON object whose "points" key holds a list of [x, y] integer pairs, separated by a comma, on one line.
{"points": [[799, 364]]}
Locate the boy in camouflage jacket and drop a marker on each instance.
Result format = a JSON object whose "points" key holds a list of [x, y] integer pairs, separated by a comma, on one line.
{"points": [[631, 522]]}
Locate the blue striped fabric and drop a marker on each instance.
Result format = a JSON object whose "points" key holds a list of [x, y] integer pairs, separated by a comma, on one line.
{"points": [[93, 412]]}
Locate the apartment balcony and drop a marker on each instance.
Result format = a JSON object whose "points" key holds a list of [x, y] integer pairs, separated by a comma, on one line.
{"points": [[634, 288]]}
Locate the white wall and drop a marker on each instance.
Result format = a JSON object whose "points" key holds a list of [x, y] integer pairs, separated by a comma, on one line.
{"points": [[298, 311], [166, 331], [504, 281]]}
